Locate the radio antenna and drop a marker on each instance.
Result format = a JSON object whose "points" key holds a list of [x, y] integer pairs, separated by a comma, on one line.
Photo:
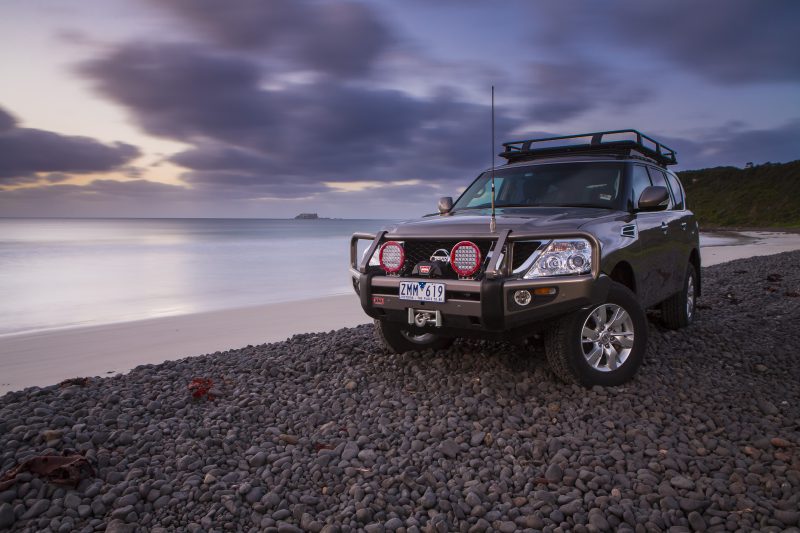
{"points": [[492, 221]]}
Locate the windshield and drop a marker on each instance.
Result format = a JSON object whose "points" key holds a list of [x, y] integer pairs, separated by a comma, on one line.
{"points": [[559, 185]]}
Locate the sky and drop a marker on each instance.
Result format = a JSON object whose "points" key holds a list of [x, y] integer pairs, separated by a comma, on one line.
{"points": [[269, 108]]}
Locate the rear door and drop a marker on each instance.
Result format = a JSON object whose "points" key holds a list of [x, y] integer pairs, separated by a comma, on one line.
{"points": [[685, 227]]}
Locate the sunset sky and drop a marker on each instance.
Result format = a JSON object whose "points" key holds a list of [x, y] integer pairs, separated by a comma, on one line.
{"points": [[268, 108]]}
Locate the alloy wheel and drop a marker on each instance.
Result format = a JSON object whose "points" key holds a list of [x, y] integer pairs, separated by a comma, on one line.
{"points": [[607, 337]]}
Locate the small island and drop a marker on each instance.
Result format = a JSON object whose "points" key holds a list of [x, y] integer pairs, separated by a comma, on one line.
{"points": [[307, 216]]}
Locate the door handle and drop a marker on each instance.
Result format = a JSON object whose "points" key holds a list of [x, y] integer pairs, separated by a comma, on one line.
{"points": [[664, 227], [683, 226]]}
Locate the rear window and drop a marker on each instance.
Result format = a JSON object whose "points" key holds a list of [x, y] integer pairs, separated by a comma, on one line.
{"points": [[677, 191]]}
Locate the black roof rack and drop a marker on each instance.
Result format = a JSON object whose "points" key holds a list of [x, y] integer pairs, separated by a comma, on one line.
{"points": [[625, 147]]}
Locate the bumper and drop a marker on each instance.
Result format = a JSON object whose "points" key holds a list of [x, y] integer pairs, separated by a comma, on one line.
{"points": [[485, 306]]}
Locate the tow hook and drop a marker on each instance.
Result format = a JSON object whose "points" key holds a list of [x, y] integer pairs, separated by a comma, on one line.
{"points": [[422, 318]]}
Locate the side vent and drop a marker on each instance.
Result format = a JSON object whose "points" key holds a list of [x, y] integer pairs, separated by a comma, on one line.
{"points": [[629, 231]]}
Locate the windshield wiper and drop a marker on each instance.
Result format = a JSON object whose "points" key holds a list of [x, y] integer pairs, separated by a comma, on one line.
{"points": [[576, 205], [505, 206]]}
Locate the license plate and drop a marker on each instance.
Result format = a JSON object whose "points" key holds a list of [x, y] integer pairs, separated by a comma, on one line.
{"points": [[422, 291]]}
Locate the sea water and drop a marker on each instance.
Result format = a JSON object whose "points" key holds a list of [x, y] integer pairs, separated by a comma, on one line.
{"points": [[57, 273]]}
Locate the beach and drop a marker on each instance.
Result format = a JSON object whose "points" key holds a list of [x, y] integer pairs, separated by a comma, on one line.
{"points": [[47, 357], [325, 432]]}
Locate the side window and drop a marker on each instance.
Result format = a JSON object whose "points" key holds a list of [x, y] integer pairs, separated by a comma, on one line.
{"points": [[659, 180], [677, 191], [639, 182]]}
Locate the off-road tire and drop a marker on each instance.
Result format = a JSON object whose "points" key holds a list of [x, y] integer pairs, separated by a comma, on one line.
{"points": [[564, 349], [675, 312], [395, 339]]}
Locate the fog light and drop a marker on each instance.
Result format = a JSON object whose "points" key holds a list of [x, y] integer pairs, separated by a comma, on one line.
{"points": [[522, 297], [544, 291]]}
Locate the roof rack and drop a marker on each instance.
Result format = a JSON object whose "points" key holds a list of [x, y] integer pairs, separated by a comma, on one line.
{"points": [[541, 148]]}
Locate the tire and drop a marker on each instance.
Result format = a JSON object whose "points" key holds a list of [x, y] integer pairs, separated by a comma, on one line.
{"points": [[678, 310], [397, 339], [574, 358]]}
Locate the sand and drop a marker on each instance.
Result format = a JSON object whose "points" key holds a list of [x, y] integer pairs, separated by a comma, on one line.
{"points": [[728, 246], [46, 358]]}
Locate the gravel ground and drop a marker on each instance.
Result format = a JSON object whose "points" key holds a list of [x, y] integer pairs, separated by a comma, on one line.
{"points": [[323, 432]]}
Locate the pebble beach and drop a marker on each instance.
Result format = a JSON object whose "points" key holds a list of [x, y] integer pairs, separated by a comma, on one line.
{"points": [[325, 432]]}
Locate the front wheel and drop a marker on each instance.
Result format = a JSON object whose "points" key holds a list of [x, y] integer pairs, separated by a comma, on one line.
{"points": [[601, 345], [398, 339]]}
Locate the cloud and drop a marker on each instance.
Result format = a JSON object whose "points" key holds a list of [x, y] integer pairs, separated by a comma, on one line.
{"points": [[341, 38], [27, 151], [253, 135], [569, 88], [727, 41], [137, 198], [736, 144]]}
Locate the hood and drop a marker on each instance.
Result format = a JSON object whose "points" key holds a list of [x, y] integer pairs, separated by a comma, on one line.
{"points": [[518, 220]]}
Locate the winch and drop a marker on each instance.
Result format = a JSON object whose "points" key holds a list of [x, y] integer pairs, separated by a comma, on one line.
{"points": [[424, 317]]}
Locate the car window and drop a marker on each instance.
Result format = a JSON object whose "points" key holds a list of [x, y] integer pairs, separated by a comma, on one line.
{"points": [[563, 184], [677, 191], [484, 195], [659, 180], [639, 182]]}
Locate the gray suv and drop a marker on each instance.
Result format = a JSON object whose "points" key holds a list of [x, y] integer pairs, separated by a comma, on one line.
{"points": [[570, 241]]}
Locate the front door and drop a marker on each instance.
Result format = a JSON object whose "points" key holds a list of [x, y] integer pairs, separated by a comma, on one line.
{"points": [[655, 272]]}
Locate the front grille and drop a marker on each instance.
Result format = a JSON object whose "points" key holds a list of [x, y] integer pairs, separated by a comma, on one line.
{"points": [[417, 251]]}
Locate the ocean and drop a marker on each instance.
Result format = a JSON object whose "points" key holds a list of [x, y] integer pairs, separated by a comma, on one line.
{"points": [[57, 273]]}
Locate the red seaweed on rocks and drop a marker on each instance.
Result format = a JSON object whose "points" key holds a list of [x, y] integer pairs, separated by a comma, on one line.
{"points": [[67, 470], [200, 388]]}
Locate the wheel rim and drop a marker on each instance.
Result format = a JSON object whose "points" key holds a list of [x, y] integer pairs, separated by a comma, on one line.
{"points": [[422, 338], [690, 296], [607, 337]]}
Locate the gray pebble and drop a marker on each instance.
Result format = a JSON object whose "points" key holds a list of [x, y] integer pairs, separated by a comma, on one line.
{"points": [[7, 517], [554, 474]]}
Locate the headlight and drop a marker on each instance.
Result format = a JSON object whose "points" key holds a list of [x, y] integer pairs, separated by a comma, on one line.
{"points": [[563, 257]]}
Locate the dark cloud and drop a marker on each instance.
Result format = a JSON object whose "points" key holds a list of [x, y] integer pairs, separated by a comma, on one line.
{"points": [[27, 151], [339, 38], [572, 87], [247, 136], [736, 145], [728, 41], [183, 92], [7, 121]]}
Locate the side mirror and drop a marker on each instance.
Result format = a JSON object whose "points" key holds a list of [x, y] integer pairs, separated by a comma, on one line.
{"points": [[654, 198], [445, 205]]}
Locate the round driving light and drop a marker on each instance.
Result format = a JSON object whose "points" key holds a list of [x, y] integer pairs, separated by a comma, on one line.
{"points": [[522, 297], [465, 258], [391, 257]]}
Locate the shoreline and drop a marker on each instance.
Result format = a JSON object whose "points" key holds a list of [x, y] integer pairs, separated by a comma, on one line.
{"points": [[47, 357]]}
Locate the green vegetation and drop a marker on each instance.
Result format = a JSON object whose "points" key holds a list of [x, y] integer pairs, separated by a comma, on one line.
{"points": [[763, 196]]}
